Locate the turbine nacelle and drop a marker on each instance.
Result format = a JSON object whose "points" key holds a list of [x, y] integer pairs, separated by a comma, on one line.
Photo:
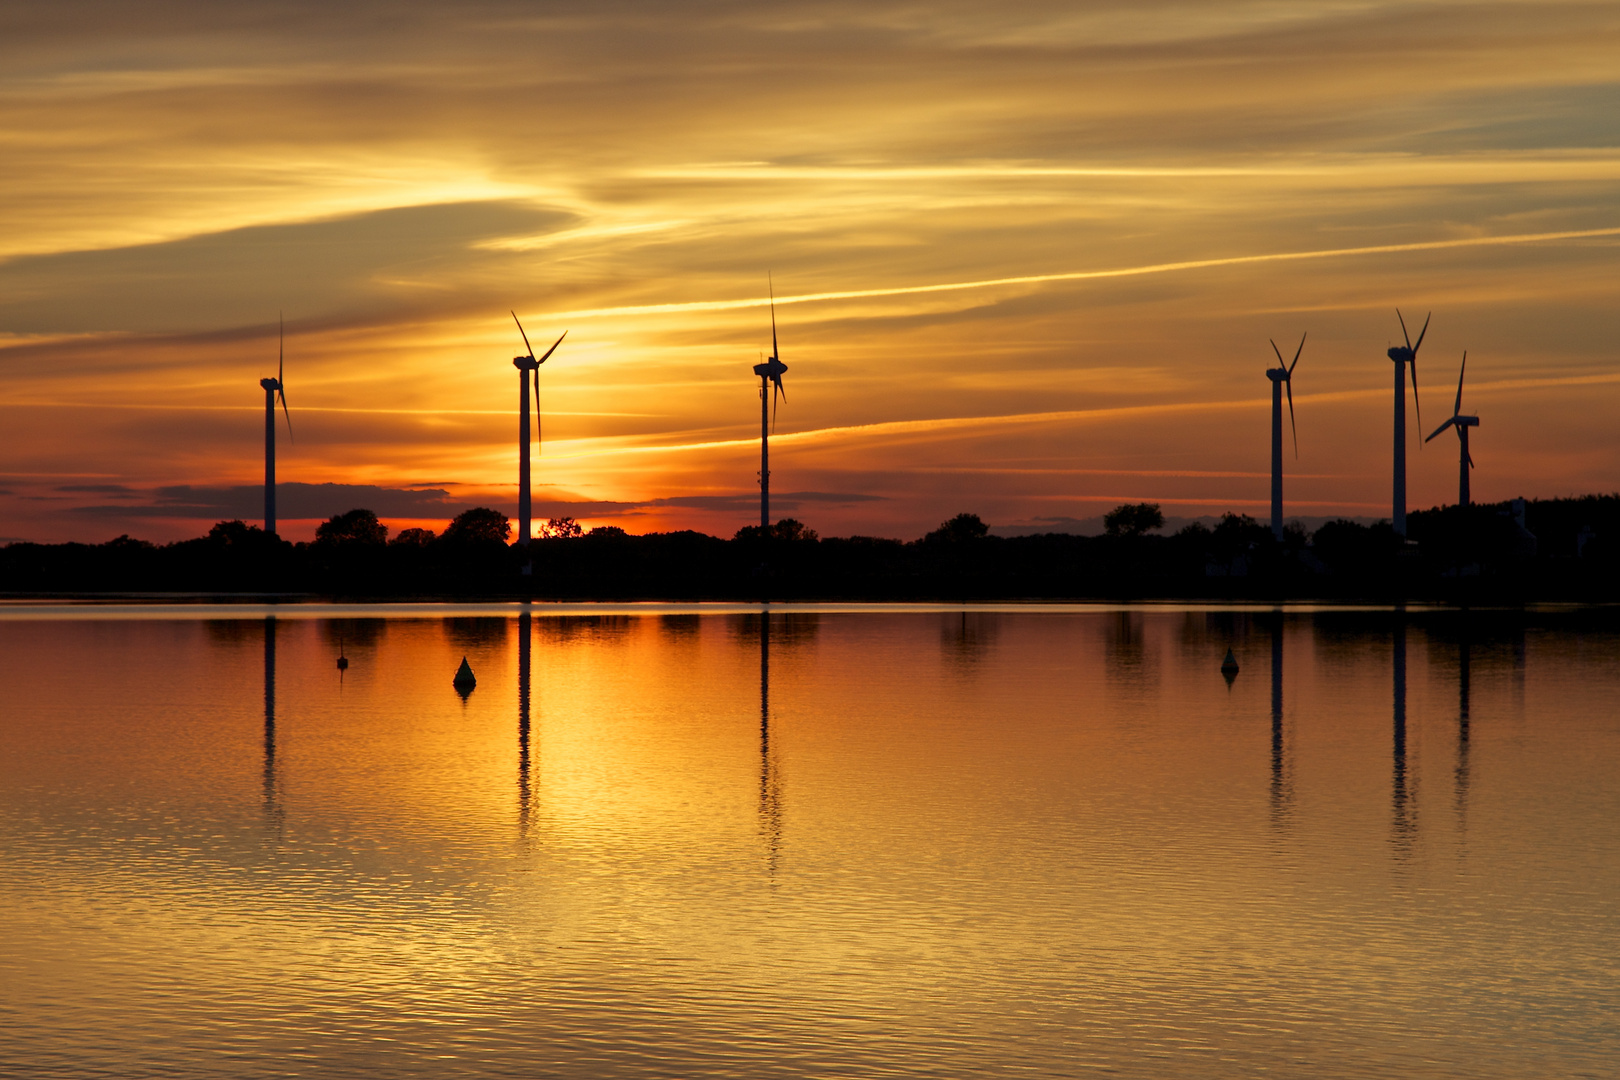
{"points": [[274, 390], [277, 386], [1407, 354], [1457, 422], [528, 363], [770, 371], [1457, 419], [773, 367], [1285, 375]]}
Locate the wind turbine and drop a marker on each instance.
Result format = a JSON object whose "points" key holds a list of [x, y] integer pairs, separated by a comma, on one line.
{"points": [[272, 389], [1403, 355], [1281, 376], [1462, 424], [526, 364], [769, 372]]}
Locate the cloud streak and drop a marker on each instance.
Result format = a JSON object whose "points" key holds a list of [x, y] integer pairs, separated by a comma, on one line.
{"points": [[1084, 275], [946, 424], [294, 501]]}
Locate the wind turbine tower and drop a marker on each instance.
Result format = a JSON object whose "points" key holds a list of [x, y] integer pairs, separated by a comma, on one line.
{"points": [[526, 364], [1281, 376], [273, 388], [770, 374], [1404, 355], [1462, 424]]}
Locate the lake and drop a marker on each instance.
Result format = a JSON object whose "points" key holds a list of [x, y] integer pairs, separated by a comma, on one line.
{"points": [[865, 842]]}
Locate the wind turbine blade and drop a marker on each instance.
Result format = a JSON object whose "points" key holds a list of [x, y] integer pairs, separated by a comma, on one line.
{"points": [[1297, 351], [1443, 427], [281, 370], [776, 394], [1404, 334], [776, 353], [1288, 384], [1277, 351], [1425, 330], [549, 351], [1457, 408], [539, 426], [1470, 461], [1415, 403], [526, 344]]}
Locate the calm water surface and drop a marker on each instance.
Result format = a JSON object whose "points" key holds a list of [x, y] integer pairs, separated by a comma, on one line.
{"points": [[890, 843]]}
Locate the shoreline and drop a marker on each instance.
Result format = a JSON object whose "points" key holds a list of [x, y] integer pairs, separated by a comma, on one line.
{"points": [[214, 607]]}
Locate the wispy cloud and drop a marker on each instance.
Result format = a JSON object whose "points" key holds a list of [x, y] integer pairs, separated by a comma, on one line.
{"points": [[294, 501], [1086, 275], [1068, 417]]}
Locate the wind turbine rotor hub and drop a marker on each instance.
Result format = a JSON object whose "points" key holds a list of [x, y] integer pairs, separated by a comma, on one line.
{"points": [[270, 384]]}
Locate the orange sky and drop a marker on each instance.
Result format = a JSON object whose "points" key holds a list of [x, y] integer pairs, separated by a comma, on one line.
{"points": [[1107, 188]]}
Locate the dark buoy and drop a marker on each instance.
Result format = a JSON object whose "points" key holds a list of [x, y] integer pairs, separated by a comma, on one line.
{"points": [[343, 661], [1229, 667], [464, 680]]}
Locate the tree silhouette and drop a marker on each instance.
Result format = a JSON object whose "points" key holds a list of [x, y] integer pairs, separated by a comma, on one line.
{"points": [[961, 529], [480, 525], [413, 538], [354, 527], [238, 535], [788, 530], [1133, 519], [563, 528]]}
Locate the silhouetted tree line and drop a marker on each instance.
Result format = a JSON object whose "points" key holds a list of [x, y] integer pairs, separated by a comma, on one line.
{"points": [[1557, 549]]}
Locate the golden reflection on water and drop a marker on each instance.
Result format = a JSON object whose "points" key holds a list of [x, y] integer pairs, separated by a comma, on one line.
{"points": [[942, 843]]}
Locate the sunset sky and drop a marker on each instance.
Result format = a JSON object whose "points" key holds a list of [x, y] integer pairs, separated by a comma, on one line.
{"points": [[1027, 256]]}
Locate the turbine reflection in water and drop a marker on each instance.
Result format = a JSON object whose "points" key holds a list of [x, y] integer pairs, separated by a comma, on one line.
{"points": [[273, 813], [1403, 787], [1282, 787], [525, 795], [1131, 668], [1518, 669], [770, 782], [968, 639], [1463, 674]]}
